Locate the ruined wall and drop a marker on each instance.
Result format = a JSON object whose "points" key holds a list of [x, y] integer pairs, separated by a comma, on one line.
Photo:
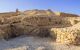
{"points": [[67, 35], [46, 21], [32, 25], [5, 31]]}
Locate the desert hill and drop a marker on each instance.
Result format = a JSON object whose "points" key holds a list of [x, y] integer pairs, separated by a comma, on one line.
{"points": [[48, 13], [58, 26], [35, 12], [34, 22]]}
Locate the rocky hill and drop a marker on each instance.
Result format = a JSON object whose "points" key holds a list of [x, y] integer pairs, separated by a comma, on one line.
{"points": [[37, 23]]}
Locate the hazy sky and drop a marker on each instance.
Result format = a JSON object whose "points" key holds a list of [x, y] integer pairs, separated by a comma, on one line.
{"points": [[69, 6]]}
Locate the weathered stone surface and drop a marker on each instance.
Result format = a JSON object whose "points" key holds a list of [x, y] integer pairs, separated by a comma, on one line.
{"points": [[5, 31], [68, 35], [46, 21], [25, 29], [21, 29]]}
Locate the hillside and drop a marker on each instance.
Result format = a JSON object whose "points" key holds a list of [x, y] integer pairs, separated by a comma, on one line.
{"points": [[35, 25]]}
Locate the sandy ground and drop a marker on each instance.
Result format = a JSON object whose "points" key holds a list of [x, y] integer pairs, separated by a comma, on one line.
{"points": [[33, 43]]}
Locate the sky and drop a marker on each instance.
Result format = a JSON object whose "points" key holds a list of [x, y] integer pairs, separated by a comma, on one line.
{"points": [[68, 6]]}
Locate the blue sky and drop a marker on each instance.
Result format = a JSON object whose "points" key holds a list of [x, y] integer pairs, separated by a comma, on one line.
{"points": [[68, 6]]}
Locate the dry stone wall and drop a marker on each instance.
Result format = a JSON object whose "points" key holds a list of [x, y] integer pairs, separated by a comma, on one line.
{"points": [[68, 35], [5, 31], [46, 21]]}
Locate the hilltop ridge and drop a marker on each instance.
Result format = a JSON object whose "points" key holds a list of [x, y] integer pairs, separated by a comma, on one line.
{"points": [[36, 23], [35, 12]]}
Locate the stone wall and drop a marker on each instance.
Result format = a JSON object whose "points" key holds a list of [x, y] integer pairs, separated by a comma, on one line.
{"points": [[5, 31], [33, 25], [46, 21], [67, 35]]}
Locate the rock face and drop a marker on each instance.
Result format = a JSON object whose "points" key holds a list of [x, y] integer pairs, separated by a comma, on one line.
{"points": [[23, 29], [41, 20], [5, 31]]}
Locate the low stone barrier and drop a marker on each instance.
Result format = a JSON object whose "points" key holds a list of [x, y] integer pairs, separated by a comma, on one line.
{"points": [[68, 35]]}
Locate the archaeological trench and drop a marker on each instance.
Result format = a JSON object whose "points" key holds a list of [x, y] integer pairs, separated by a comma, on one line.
{"points": [[63, 28]]}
